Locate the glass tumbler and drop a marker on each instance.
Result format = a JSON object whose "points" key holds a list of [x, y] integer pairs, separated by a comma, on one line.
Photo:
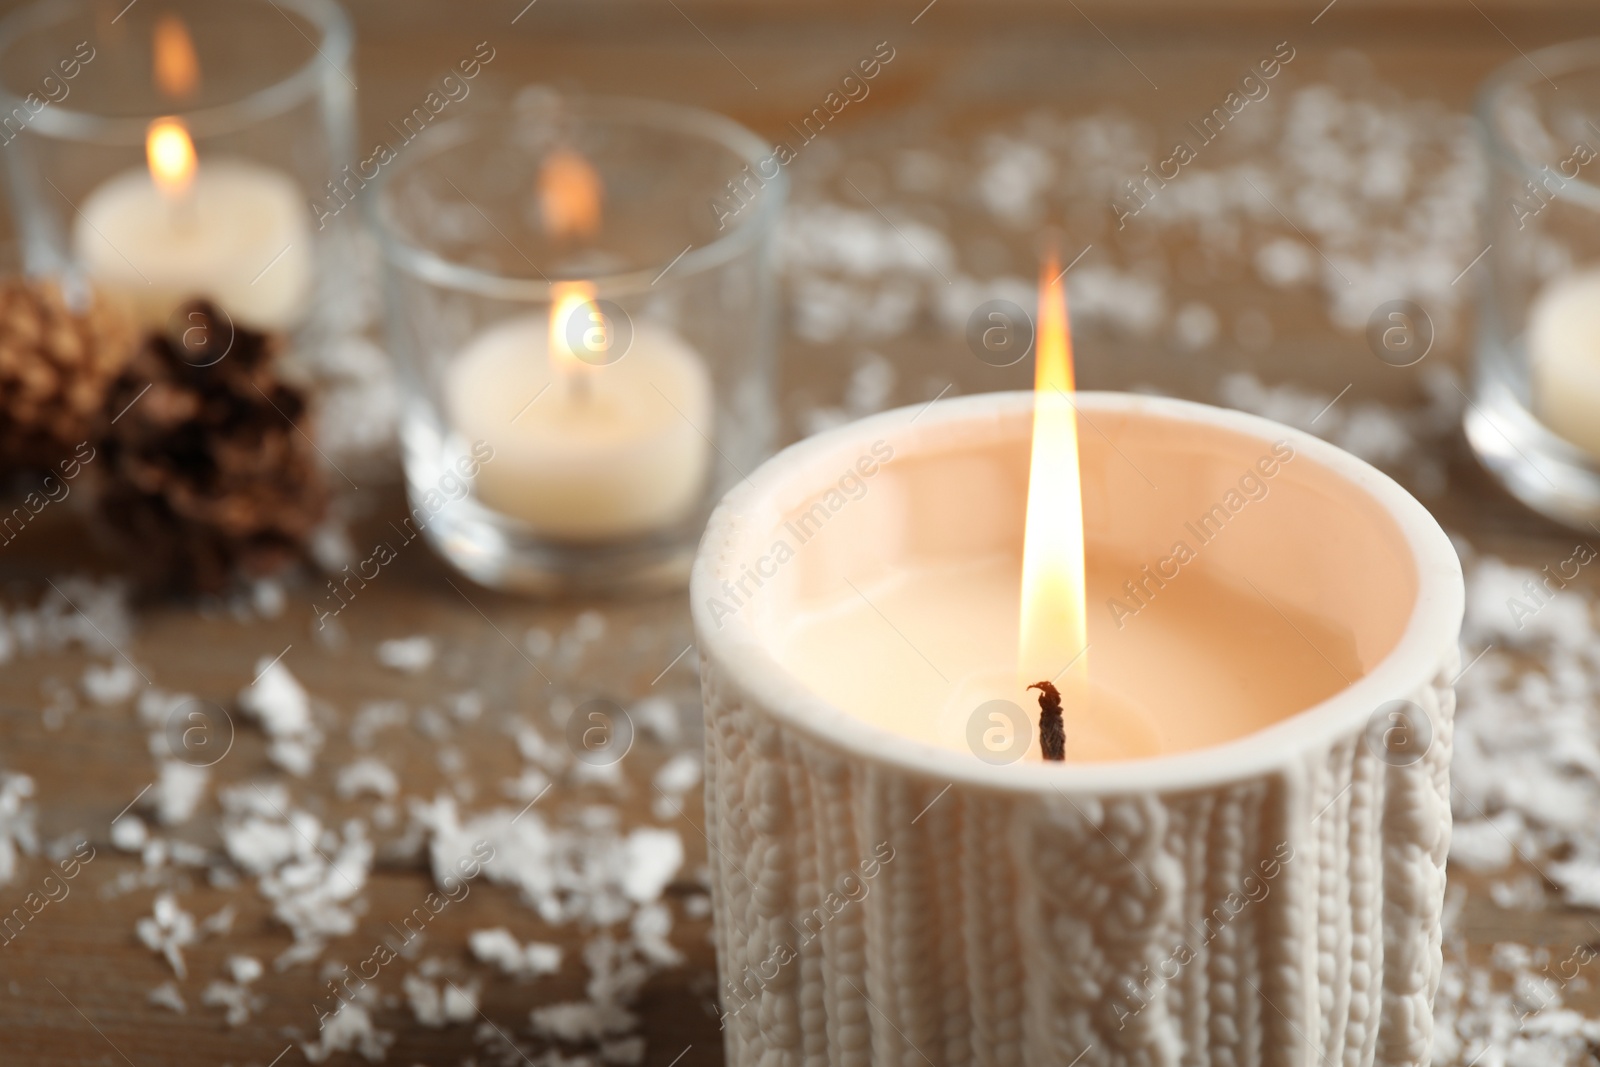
{"points": [[178, 150], [580, 299], [1535, 416]]}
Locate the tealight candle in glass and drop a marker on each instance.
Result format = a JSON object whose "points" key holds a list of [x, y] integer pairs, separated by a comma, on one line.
{"points": [[584, 329], [173, 152], [1535, 419]]}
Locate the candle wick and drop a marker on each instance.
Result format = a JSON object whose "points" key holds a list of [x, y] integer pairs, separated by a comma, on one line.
{"points": [[1052, 729]]}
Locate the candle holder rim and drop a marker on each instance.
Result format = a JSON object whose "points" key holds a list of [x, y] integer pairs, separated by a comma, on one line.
{"points": [[1560, 58], [1428, 639], [712, 126], [292, 89]]}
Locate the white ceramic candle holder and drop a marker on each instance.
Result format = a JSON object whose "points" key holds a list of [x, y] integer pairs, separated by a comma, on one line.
{"points": [[1273, 899]]}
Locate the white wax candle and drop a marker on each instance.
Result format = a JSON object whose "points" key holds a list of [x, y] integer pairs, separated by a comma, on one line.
{"points": [[1205, 665], [239, 236], [885, 578], [1564, 358], [625, 454]]}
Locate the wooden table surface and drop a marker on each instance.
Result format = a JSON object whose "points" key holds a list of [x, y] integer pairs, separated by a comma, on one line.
{"points": [[73, 987]]}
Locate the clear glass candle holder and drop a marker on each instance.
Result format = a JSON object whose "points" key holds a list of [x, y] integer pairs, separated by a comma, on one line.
{"points": [[580, 298], [261, 90], [1535, 417]]}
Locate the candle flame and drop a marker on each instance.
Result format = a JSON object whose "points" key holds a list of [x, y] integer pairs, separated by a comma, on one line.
{"points": [[1054, 630], [170, 153], [177, 68], [574, 314], [569, 195]]}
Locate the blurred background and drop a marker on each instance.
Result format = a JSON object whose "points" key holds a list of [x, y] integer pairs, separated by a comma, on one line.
{"points": [[1350, 178]]}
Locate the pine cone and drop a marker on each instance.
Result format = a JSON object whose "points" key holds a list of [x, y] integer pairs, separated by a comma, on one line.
{"points": [[56, 366], [209, 470]]}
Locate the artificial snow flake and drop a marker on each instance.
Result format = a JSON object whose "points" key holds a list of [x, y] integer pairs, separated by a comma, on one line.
{"points": [[499, 947], [168, 930], [17, 836], [278, 701], [436, 1005], [350, 1029], [410, 655]]}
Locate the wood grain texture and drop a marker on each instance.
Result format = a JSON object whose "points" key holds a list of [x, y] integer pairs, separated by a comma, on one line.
{"points": [[72, 989]]}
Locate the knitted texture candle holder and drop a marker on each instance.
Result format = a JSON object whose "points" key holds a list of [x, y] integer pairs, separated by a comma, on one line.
{"points": [[1275, 899]]}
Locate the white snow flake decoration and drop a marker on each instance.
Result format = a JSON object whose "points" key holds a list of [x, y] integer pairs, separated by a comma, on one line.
{"points": [[17, 836]]}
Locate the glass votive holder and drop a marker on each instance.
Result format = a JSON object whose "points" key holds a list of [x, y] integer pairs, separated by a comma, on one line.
{"points": [[1535, 416], [580, 298], [180, 150]]}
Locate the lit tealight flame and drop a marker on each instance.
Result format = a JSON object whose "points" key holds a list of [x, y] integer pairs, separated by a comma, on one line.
{"points": [[1054, 631], [177, 68], [569, 195], [171, 156], [574, 315]]}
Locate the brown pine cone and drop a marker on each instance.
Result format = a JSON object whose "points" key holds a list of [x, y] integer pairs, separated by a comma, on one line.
{"points": [[208, 467], [56, 366]]}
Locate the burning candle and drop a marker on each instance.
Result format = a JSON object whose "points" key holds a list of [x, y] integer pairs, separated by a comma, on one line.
{"points": [[1253, 634], [583, 452], [230, 230], [597, 437]]}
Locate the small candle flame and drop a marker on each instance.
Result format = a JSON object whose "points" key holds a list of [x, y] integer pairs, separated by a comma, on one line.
{"points": [[170, 153], [177, 68], [569, 195], [1054, 630], [574, 316]]}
